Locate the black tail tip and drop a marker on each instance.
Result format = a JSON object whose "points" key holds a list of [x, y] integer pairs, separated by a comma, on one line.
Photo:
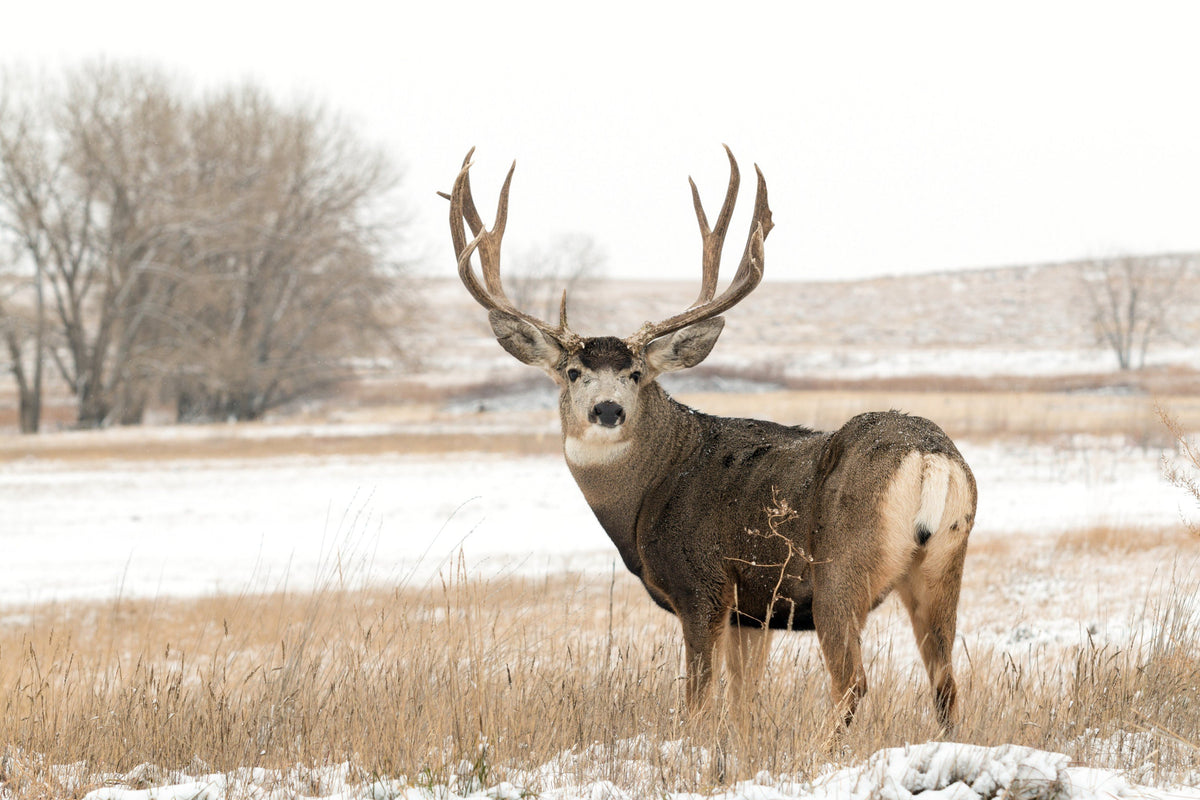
{"points": [[923, 535]]}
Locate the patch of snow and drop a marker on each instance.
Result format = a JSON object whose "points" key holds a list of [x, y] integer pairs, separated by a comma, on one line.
{"points": [[932, 771], [1089, 482], [943, 771]]}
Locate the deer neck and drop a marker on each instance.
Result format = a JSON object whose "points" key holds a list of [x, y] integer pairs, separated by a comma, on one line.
{"points": [[615, 477]]}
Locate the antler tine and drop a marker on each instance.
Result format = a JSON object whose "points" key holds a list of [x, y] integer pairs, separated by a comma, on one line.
{"points": [[714, 240], [762, 215], [468, 210], [491, 294], [467, 275], [458, 234], [749, 272], [462, 206], [489, 248]]}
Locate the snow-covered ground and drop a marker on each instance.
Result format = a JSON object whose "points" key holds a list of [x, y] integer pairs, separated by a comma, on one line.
{"points": [[932, 771], [92, 529], [178, 527]]}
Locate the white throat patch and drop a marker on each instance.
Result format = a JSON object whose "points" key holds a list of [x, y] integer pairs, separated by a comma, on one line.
{"points": [[596, 447]]}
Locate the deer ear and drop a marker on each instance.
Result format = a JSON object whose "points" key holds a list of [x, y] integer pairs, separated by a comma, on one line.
{"points": [[684, 348], [524, 342]]}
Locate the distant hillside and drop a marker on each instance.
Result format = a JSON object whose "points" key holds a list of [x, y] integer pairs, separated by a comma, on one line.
{"points": [[1030, 323]]}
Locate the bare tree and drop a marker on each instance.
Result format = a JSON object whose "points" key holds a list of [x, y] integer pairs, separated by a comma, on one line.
{"points": [[285, 256], [24, 336], [24, 333], [82, 168], [1131, 299], [542, 272], [226, 253], [126, 139]]}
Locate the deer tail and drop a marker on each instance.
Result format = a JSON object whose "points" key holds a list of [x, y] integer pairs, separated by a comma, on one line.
{"points": [[935, 485]]}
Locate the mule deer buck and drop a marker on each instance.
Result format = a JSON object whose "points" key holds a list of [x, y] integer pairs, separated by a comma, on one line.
{"points": [[742, 526]]}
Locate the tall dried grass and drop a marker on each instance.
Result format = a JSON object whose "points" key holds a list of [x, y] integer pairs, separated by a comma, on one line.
{"points": [[1184, 469], [469, 682]]}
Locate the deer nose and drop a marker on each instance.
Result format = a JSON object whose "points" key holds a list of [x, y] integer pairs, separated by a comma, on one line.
{"points": [[607, 413]]}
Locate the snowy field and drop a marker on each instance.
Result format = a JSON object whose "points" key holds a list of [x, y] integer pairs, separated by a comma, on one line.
{"points": [[97, 529], [94, 529]]}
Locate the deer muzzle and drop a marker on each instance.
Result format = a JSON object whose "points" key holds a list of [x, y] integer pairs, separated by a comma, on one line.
{"points": [[607, 413]]}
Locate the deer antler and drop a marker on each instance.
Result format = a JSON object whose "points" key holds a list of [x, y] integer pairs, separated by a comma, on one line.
{"points": [[491, 294], [749, 271]]}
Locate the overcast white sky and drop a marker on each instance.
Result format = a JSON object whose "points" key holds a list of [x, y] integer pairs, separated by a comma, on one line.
{"points": [[895, 137]]}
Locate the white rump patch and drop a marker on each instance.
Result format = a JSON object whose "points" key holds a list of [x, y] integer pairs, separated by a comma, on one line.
{"points": [[935, 484]]}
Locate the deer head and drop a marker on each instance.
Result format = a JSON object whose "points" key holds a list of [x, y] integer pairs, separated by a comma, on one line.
{"points": [[602, 379]]}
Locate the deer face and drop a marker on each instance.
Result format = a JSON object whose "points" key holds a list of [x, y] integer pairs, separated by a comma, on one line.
{"points": [[601, 380], [599, 388]]}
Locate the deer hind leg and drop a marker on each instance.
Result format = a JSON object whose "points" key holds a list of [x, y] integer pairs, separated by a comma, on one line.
{"points": [[839, 622], [746, 653], [930, 594]]}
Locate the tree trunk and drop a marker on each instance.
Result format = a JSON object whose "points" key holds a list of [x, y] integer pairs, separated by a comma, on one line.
{"points": [[30, 409], [93, 407], [29, 394], [131, 403]]}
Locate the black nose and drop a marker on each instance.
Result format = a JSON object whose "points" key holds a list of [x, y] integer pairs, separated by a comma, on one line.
{"points": [[607, 413]]}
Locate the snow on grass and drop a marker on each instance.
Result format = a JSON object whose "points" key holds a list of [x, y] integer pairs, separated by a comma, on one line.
{"points": [[932, 771]]}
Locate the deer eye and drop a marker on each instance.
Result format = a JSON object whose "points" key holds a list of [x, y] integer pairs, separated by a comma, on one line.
{"points": [[635, 376], [573, 375]]}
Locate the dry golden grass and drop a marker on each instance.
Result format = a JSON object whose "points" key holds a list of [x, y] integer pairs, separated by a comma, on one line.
{"points": [[485, 680], [1115, 541]]}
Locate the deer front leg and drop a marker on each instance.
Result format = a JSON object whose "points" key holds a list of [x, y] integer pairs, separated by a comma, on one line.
{"points": [[702, 634]]}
